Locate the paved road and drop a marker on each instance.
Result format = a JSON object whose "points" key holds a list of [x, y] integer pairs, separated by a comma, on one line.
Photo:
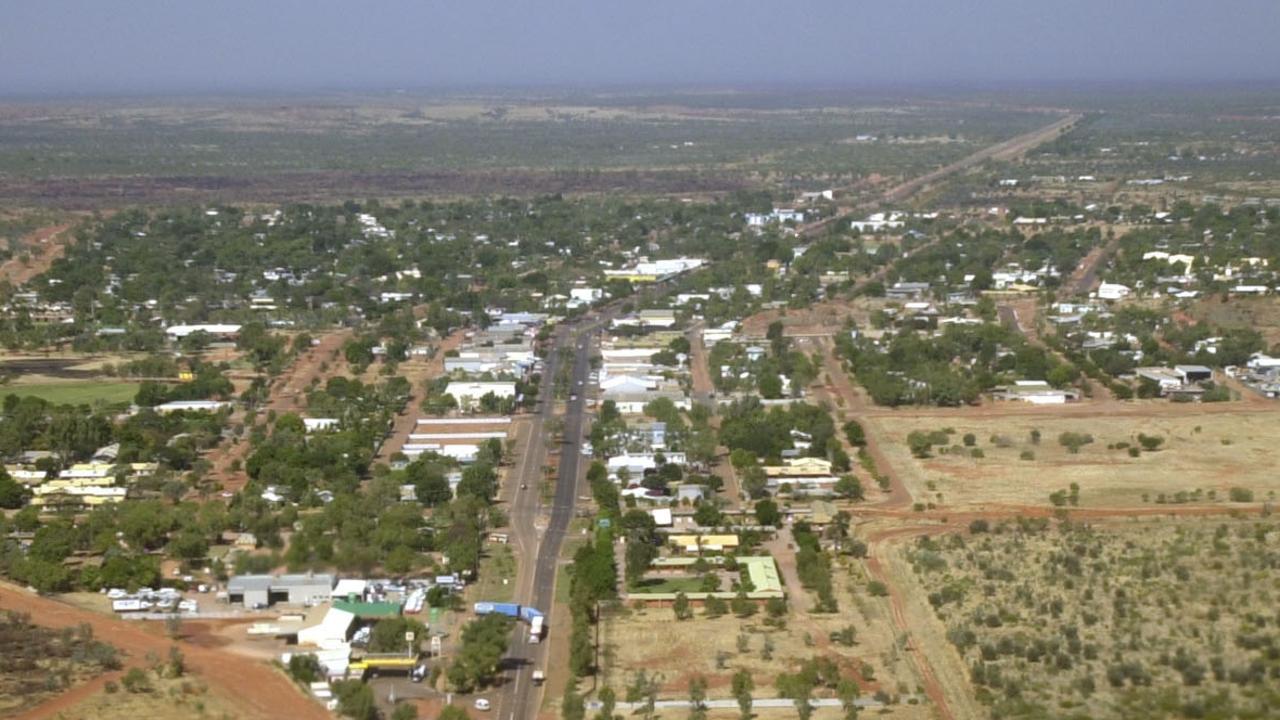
{"points": [[520, 698], [1000, 151]]}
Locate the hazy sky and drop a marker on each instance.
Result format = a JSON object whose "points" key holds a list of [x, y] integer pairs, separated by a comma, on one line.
{"points": [[114, 46]]}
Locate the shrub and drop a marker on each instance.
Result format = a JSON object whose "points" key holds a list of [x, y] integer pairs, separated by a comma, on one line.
{"points": [[1239, 494], [877, 589], [970, 439], [136, 681], [1027, 455]]}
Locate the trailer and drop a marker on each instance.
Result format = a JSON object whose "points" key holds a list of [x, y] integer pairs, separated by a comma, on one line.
{"points": [[130, 605], [511, 610]]}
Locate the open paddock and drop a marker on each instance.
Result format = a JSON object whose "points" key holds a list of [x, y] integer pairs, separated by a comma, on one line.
{"points": [[1205, 452]]}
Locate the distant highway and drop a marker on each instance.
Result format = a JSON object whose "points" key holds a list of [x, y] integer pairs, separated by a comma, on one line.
{"points": [[1008, 149]]}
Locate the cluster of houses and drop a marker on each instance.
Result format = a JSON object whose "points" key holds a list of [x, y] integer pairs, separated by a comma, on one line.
{"points": [[99, 481]]}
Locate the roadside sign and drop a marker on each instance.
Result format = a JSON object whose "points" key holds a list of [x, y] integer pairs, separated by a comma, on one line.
{"points": [[408, 636]]}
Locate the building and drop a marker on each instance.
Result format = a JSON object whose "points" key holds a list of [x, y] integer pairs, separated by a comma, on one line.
{"points": [[907, 290], [808, 474], [333, 630], [218, 331], [468, 394], [1113, 291], [1036, 392], [260, 591], [1193, 373], [704, 543]]}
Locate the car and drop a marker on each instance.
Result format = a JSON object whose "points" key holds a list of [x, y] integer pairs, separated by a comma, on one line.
{"points": [[482, 704], [524, 486], [573, 398]]}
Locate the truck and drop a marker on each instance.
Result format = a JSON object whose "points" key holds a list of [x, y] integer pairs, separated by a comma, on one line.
{"points": [[538, 677], [536, 628], [489, 608]]}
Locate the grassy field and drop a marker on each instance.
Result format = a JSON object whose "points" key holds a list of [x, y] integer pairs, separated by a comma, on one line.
{"points": [[497, 574], [1202, 456], [1151, 618], [75, 393]]}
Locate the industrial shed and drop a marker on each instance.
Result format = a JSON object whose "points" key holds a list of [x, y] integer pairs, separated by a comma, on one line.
{"points": [[265, 590]]}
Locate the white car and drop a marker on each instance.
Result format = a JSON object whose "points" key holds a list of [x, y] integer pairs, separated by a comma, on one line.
{"points": [[482, 704]]}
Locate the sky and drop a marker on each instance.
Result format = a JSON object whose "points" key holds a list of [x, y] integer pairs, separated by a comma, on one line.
{"points": [[100, 47]]}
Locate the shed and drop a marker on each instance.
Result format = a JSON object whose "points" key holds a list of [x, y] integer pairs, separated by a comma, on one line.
{"points": [[333, 629]]}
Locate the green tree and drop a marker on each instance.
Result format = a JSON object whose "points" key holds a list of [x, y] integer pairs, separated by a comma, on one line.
{"points": [[681, 607], [697, 697], [767, 513], [743, 686]]}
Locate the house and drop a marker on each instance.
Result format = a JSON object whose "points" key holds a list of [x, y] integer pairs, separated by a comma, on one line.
{"points": [[809, 474], [704, 543], [779, 215], [636, 464], [260, 591], [877, 222], [661, 517], [1166, 378], [585, 295], [220, 331], [907, 290], [691, 492], [191, 406], [1113, 291], [468, 394], [1036, 392], [319, 424], [1193, 373]]}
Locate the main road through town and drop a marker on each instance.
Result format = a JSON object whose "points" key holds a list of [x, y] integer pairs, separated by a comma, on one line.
{"points": [[535, 586]]}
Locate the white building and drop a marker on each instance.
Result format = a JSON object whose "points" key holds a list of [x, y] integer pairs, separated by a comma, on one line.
{"points": [[1113, 291], [468, 394]]}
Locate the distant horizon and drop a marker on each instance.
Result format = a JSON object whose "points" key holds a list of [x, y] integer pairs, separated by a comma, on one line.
{"points": [[920, 88], [86, 48]]}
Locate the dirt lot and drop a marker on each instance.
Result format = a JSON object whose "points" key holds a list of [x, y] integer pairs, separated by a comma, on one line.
{"points": [[169, 698], [256, 690], [42, 247], [1206, 452], [1261, 314], [650, 639]]}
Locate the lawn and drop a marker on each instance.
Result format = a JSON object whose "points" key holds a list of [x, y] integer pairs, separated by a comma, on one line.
{"points": [[668, 585], [76, 393]]}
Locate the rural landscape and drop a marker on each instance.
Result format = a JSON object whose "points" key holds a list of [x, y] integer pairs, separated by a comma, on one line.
{"points": [[668, 400]]}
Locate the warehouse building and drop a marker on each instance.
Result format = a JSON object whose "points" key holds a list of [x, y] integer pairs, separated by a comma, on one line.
{"points": [[260, 591]]}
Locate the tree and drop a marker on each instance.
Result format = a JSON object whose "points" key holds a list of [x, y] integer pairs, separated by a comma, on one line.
{"points": [[847, 691], [715, 607], [849, 486], [697, 697], [767, 513], [743, 685], [572, 707], [707, 515], [305, 668], [681, 607], [12, 494], [639, 556], [1073, 441], [608, 701]]}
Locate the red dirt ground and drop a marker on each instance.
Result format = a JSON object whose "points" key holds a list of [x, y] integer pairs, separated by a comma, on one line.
{"points": [[253, 686]]}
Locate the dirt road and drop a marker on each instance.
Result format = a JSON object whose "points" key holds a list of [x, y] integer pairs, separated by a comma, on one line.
{"points": [[417, 372], [259, 691], [42, 247]]}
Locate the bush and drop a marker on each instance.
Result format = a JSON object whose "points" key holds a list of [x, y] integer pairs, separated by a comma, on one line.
{"points": [[877, 589], [970, 439], [1073, 441], [1134, 452], [136, 681], [1150, 443], [1027, 455], [1239, 494]]}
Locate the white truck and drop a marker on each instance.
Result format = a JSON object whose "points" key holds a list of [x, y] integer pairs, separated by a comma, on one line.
{"points": [[538, 677], [535, 628]]}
